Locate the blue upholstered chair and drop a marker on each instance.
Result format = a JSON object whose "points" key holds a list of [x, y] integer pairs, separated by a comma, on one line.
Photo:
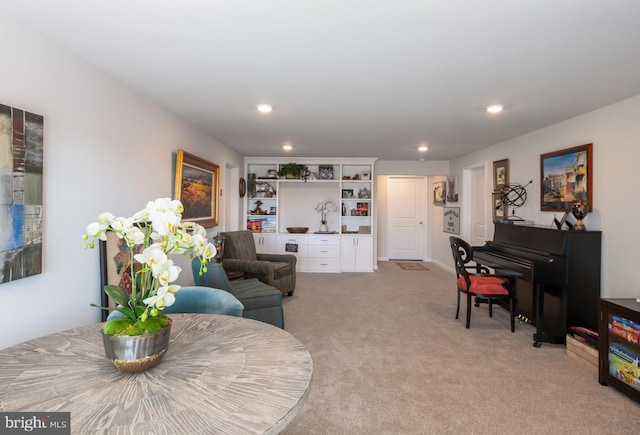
{"points": [[261, 301], [200, 300]]}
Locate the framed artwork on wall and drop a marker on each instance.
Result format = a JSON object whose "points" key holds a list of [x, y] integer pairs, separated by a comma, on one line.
{"points": [[21, 193], [197, 188], [451, 220], [452, 189], [500, 174], [498, 207], [565, 177], [439, 192], [115, 267]]}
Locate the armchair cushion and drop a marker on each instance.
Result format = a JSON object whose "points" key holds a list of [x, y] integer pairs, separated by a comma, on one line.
{"points": [[239, 245], [261, 301]]}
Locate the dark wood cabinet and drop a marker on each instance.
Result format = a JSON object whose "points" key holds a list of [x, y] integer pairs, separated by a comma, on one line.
{"points": [[619, 350]]}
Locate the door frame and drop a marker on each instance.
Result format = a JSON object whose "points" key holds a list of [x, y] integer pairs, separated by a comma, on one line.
{"points": [[423, 208], [468, 187]]}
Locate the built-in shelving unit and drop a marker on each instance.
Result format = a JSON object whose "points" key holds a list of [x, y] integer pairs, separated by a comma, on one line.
{"points": [[275, 203], [619, 348]]}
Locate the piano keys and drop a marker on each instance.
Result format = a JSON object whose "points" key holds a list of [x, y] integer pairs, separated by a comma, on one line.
{"points": [[557, 275]]}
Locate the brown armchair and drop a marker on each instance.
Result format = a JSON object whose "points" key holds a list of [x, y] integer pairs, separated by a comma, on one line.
{"points": [[276, 270]]}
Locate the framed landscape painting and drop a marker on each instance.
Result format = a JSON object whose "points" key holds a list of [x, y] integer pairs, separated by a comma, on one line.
{"points": [[197, 188], [565, 177]]}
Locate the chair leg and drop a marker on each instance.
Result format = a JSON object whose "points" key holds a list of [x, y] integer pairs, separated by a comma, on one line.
{"points": [[458, 307], [468, 309], [490, 307]]}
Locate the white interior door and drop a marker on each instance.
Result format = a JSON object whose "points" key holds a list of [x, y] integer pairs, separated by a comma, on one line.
{"points": [[406, 205], [478, 210]]}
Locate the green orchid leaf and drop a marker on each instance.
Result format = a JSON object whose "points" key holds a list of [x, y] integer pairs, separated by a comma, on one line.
{"points": [[119, 295]]}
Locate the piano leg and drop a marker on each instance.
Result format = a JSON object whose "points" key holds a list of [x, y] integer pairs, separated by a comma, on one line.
{"points": [[539, 298]]}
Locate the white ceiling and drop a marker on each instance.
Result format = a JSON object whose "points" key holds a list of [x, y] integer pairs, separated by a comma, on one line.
{"points": [[358, 78]]}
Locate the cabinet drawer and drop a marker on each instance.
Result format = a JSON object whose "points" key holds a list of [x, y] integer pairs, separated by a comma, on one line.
{"points": [[300, 239], [302, 250], [323, 265], [326, 251], [318, 239]]}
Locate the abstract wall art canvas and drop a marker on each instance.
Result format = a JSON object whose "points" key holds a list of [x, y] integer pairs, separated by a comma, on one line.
{"points": [[21, 161]]}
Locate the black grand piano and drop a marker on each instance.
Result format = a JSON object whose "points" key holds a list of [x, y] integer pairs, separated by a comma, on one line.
{"points": [[557, 275]]}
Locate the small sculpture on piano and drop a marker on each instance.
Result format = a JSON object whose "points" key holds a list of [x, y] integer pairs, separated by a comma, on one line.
{"points": [[579, 210]]}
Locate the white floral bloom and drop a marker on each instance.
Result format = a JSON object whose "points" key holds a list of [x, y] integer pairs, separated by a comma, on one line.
{"points": [[166, 272], [152, 256], [97, 230], [164, 297], [105, 218], [133, 236], [121, 224], [161, 234]]}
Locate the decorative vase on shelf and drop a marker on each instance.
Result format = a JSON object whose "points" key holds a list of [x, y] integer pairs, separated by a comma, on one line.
{"points": [[323, 228], [136, 353], [579, 210]]}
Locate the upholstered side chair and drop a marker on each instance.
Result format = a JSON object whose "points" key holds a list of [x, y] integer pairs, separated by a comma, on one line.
{"points": [[480, 285], [276, 270]]}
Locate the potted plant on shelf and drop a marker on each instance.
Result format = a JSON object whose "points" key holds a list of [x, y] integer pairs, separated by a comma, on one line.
{"points": [[148, 239], [294, 171]]}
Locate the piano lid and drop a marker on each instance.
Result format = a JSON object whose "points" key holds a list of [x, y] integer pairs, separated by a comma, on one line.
{"points": [[542, 239]]}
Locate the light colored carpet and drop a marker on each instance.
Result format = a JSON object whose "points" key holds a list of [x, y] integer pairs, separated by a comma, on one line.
{"points": [[389, 358]]}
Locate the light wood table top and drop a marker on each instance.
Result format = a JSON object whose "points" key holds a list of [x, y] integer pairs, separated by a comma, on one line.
{"points": [[221, 374]]}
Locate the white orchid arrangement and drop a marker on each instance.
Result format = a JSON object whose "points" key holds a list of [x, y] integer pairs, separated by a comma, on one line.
{"points": [[151, 236], [324, 207]]}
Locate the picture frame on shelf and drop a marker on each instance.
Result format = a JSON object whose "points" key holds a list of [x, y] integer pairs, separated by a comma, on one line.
{"points": [[196, 186], [566, 177], [451, 220], [452, 188], [362, 208], [500, 174], [325, 172], [347, 193], [365, 175]]}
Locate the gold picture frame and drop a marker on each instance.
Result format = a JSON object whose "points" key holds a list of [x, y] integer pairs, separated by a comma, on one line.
{"points": [[500, 174], [196, 186]]}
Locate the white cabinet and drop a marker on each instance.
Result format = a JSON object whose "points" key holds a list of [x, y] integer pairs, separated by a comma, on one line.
{"points": [[265, 243], [273, 204], [356, 253], [324, 253], [294, 244]]}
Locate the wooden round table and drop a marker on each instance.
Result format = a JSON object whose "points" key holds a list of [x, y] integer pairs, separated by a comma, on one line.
{"points": [[221, 374]]}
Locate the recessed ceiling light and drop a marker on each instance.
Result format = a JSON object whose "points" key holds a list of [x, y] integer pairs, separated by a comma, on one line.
{"points": [[287, 147], [422, 148], [495, 108], [264, 108]]}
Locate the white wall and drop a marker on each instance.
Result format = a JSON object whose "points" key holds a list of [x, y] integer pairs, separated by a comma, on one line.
{"points": [[615, 134], [106, 149]]}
